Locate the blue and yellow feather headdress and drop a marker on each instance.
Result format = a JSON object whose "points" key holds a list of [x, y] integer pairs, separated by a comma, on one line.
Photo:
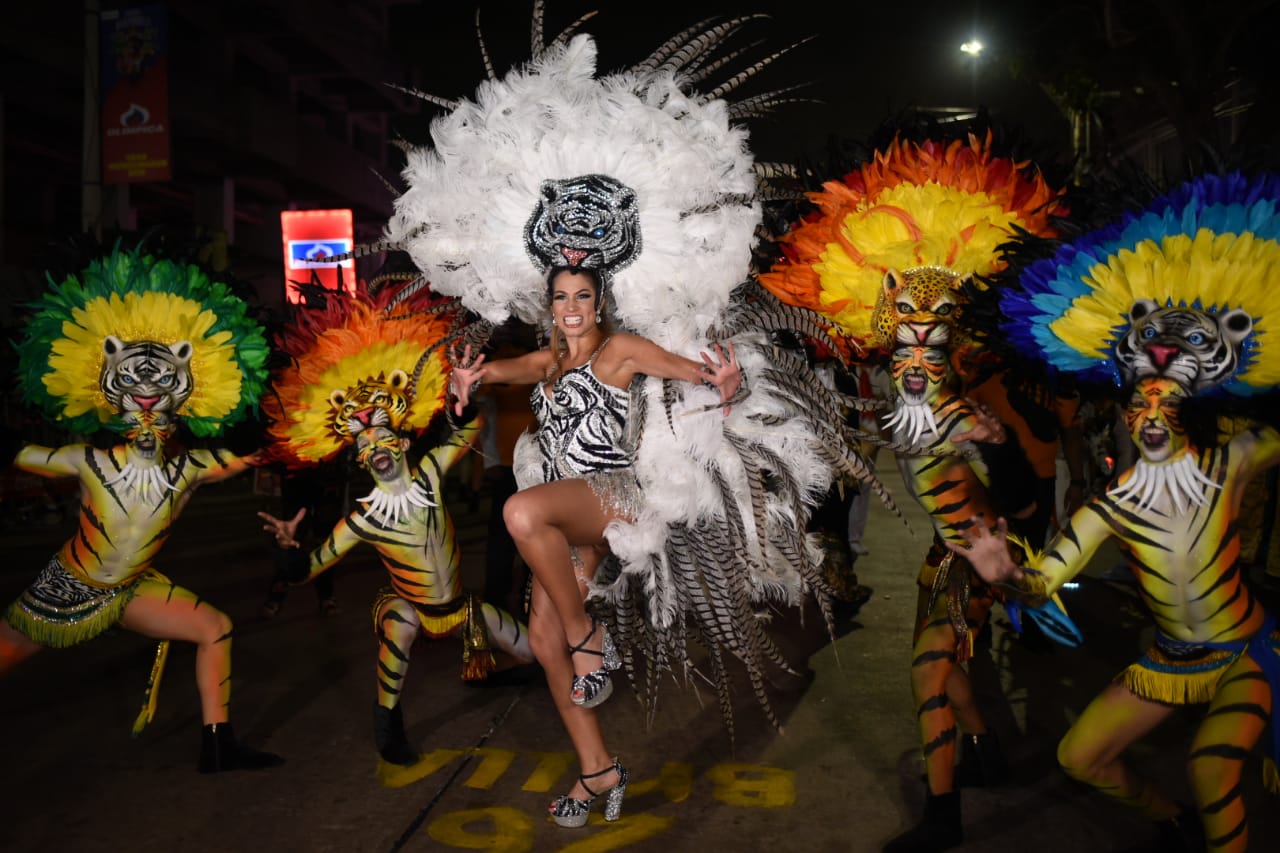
{"points": [[1212, 245]]}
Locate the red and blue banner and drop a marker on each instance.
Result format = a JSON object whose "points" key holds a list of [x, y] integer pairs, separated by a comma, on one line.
{"points": [[134, 46], [311, 239]]}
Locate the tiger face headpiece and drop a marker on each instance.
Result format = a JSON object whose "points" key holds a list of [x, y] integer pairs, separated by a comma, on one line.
{"points": [[897, 244], [1181, 290], [357, 363], [374, 401], [133, 333], [589, 222]]}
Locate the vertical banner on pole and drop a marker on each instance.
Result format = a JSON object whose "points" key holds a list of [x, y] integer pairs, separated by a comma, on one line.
{"points": [[311, 238], [135, 95]]}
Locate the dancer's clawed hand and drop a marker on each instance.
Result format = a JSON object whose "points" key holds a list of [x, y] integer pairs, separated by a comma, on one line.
{"points": [[284, 531], [467, 373]]}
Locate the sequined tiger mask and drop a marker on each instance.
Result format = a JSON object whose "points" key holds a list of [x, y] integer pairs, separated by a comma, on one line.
{"points": [[141, 376], [591, 221], [373, 402], [1197, 349]]}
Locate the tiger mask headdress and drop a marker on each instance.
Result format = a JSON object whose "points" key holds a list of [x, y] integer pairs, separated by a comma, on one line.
{"points": [[145, 376], [1182, 289], [381, 401], [591, 221], [1198, 349]]}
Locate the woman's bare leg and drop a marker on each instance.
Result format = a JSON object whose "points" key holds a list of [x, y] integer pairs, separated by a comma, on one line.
{"points": [[546, 521], [550, 646]]}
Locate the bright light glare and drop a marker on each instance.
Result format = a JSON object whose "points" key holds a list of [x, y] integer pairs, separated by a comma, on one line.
{"points": [[973, 47]]}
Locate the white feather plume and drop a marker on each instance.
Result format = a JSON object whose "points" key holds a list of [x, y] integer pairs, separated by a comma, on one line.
{"points": [[702, 473], [476, 185]]}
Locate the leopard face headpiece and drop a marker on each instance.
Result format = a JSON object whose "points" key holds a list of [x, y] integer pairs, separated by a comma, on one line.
{"points": [[917, 306]]}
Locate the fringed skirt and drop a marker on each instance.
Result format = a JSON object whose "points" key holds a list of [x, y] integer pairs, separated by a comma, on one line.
{"points": [[1175, 673], [59, 610], [464, 615], [618, 489]]}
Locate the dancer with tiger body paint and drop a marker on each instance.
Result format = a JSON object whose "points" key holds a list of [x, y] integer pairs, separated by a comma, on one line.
{"points": [[933, 430], [1175, 512], [892, 260], [197, 354], [376, 375]]}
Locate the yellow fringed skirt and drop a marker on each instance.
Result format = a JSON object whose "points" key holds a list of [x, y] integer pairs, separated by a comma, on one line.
{"points": [[442, 620], [59, 610], [1180, 674]]}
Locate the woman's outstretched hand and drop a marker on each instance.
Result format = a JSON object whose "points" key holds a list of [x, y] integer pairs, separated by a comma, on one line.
{"points": [[467, 373], [723, 372], [988, 551]]}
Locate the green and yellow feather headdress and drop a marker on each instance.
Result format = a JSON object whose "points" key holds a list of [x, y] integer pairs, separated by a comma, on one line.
{"points": [[136, 296]]}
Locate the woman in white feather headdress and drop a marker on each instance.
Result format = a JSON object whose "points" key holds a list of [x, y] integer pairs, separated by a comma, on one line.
{"points": [[588, 482], [647, 186]]}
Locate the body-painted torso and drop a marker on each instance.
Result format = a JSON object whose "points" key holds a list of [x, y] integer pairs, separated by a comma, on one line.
{"points": [[420, 550], [120, 531], [1187, 563], [951, 488]]}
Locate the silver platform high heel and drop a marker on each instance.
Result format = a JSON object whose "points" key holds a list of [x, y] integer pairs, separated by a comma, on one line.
{"points": [[590, 690], [572, 813]]}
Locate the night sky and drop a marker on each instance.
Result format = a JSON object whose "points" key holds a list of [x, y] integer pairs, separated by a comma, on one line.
{"points": [[865, 63]]}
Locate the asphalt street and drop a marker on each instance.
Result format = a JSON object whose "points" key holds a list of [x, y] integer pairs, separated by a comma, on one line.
{"points": [[843, 775]]}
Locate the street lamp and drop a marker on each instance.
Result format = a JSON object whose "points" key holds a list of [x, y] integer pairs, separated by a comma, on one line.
{"points": [[973, 49]]}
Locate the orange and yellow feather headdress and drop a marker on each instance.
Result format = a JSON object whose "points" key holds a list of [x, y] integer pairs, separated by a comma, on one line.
{"points": [[939, 204], [388, 355]]}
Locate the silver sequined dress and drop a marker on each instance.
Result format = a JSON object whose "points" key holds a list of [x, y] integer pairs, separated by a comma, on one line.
{"points": [[580, 431]]}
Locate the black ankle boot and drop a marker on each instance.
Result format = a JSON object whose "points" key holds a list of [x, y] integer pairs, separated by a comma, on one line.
{"points": [[940, 828], [982, 763], [389, 737], [1181, 834], [219, 751]]}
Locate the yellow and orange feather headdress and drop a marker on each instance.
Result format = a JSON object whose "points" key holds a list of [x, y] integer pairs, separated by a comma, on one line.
{"points": [[353, 343], [942, 204]]}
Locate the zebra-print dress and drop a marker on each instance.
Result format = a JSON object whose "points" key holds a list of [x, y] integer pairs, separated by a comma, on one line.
{"points": [[580, 433]]}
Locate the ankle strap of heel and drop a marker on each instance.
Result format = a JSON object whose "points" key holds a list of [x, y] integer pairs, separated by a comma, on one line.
{"points": [[585, 776]]}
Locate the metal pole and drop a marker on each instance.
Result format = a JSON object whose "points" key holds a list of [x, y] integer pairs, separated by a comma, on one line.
{"points": [[91, 147]]}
